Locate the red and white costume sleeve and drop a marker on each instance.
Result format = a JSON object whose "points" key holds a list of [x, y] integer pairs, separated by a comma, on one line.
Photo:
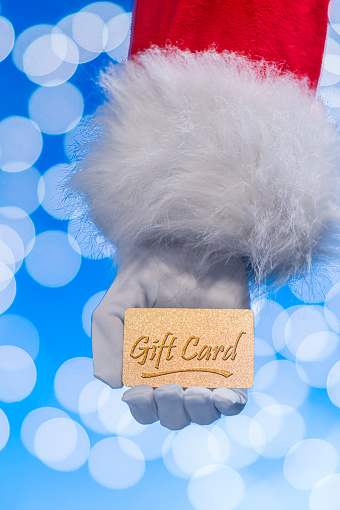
{"points": [[213, 138]]}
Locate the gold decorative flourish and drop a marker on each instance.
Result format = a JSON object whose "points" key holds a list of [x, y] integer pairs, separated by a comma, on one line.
{"points": [[224, 373]]}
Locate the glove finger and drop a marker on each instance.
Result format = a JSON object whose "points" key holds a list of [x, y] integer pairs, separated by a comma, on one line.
{"points": [[170, 403], [199, 404], [228, 401], [141, 402]]}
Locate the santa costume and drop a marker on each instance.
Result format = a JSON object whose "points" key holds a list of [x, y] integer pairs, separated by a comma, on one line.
{"points": [[213, 159]]}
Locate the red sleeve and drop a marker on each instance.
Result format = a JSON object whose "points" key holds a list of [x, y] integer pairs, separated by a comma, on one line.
{"points": [[290, 33]]}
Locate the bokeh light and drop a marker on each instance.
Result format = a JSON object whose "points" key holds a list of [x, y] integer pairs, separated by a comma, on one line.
{"points": [[89, 406], [6, 276], [216, 487], [62, 444], [118, 30], [242, 453], [4, 430], [303, 322], [19, 221], [6, 37], [275, 429], [89, 31], [6, 256], [46, 55], [268, 311], [332, 307], [111, 408], [55, 440], [56, 110], [168, 457], [308, 462], [91, 244], [116, 463], [66, 27], [149, 439], [326, 494], [89, 308], [315, 372], [17, 373], [7, 294], [20, 332], [51, 59], [52, 193], [24, 40], [53, 261], [32, 422], [13, 241], [333, 384], [195, 447], [71, 379], [281, 380], [14, 156]]}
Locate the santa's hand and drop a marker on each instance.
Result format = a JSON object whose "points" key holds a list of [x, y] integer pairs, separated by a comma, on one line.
{"points": [[176, 408], [166, 280]]}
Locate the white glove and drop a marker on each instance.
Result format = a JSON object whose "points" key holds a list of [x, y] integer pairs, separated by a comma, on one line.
{"points": [[165, 280]]}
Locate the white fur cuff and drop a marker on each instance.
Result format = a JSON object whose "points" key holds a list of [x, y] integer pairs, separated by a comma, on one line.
{"points": [[212, 152]]}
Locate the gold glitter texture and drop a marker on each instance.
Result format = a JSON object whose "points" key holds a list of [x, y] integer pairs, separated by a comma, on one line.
{"points": [[190, 347]]}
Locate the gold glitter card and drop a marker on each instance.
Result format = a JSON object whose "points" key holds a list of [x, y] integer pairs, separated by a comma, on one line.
{"points": [[190, 347]]}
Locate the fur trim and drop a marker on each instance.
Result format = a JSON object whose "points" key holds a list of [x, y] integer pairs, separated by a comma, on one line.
{"points": [[213, 152]]}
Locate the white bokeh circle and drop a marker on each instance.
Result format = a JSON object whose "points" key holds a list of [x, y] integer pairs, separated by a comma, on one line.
{"points": [[89, 406], [88, 310], [11, 238], [332, 307], [326, 494], [303, 322], [275, 429], [168, 457], [70, 380], [6, 276], [14, 156], [92, 244], [111, 408], [195, 447], [19, 221], [53, 261], [116, 463], [20, 332], [242, 453], [4, 430], [333, 384], [6, 37], [309, 461], [315, 373], [59, 442], [7, 295], [33, 421], [56, 110], [51, 190], [47, 53], [6, 256], [25, 39], [89, 31], [149, 439], [280, 380], [216, 487], [55, 440], [17, 374]]}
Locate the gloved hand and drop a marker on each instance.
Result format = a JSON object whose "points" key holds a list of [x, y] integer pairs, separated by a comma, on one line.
{"points": [[166, 280]]}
